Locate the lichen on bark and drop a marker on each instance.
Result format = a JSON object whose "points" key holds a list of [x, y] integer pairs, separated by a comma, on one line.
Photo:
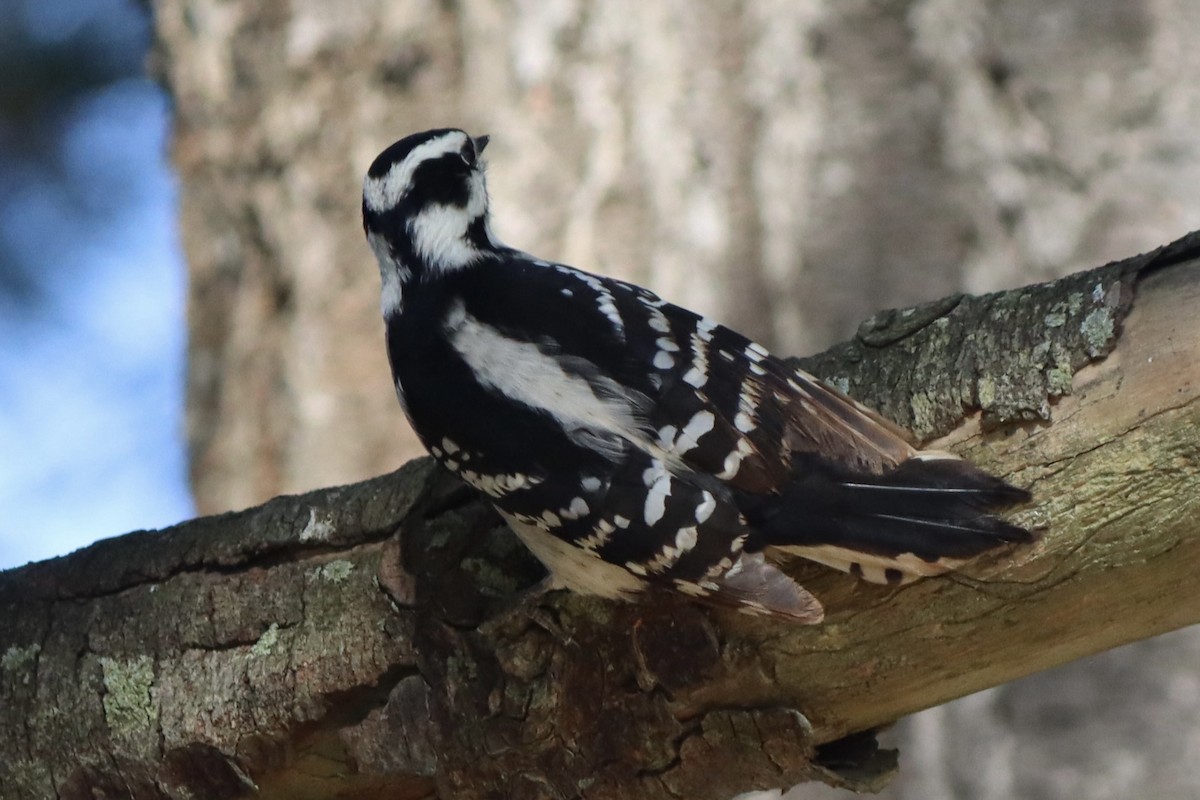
{"points": [[1008, 355]]}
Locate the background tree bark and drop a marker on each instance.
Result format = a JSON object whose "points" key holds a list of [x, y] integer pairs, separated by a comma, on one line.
{"points": [[787, 167], [353, 642]]}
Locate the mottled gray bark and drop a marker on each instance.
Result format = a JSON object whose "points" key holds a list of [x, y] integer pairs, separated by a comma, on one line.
{"points": [[353, 641]]}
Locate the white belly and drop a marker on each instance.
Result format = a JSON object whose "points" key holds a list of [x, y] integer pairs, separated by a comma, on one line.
{"points": [[581, 571]]}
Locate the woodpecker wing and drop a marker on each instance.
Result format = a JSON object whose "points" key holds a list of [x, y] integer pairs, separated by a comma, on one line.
{"points": [[811, 470]]}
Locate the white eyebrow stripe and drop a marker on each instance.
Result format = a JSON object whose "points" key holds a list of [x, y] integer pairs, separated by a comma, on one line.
{"points": [[384, 192]]}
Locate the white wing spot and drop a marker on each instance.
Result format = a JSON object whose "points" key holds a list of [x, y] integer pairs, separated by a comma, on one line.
{"points": [[658, 320], [656, 499], [663, 360], [578, 508], [590, 484], [652, 473], [690, 587], [733, 461], [748, 400], [756, 352], [666, 435], [598, 537], [498, 485], [701, 423], [706, 507], [719, 568], [609, 310], [685, 540], [665, 343], [697, 375], [604, 300]]}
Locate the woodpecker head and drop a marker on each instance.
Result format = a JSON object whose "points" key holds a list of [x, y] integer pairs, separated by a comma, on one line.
{"points": [[425, 209]]}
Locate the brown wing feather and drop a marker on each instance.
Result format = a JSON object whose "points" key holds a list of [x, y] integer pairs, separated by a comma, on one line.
{"points": [[825, 421]]}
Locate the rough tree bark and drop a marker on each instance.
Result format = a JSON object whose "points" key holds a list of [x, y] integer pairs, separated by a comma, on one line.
{"points": [[352, 642]]}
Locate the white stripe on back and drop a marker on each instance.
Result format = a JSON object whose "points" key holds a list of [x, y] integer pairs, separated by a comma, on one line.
{"points": [[520, 371]]}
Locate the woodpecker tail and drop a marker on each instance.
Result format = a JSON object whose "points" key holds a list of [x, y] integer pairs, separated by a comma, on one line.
{"points": [[928, 515]]}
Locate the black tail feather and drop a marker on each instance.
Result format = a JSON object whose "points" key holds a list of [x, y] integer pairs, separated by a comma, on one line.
{"points": [[932, 509]]}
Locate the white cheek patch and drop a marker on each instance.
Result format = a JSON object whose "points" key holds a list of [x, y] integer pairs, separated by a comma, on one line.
{"points": [[439, 235]]}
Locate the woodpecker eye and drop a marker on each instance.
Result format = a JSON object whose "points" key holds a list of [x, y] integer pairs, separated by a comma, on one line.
{"points": [[467, 154]]}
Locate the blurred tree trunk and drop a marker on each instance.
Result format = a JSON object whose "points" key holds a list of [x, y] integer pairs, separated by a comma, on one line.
{"points": [[787, 167]]}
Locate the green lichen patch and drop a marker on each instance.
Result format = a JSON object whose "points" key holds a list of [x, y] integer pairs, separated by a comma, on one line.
{"points": [[1098, 328], [1055, 319], [266, 643], [335, 571], [130, 707], [840, 382], [20, 662]]}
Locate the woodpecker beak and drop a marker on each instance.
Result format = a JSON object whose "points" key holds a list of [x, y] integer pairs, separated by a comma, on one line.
{"points": [[480, 143]]}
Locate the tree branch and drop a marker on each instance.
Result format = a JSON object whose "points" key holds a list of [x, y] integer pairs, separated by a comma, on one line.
{"points": [[354, 641]]}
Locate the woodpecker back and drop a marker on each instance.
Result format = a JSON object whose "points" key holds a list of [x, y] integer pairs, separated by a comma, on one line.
{"points": [[632, 443]]}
